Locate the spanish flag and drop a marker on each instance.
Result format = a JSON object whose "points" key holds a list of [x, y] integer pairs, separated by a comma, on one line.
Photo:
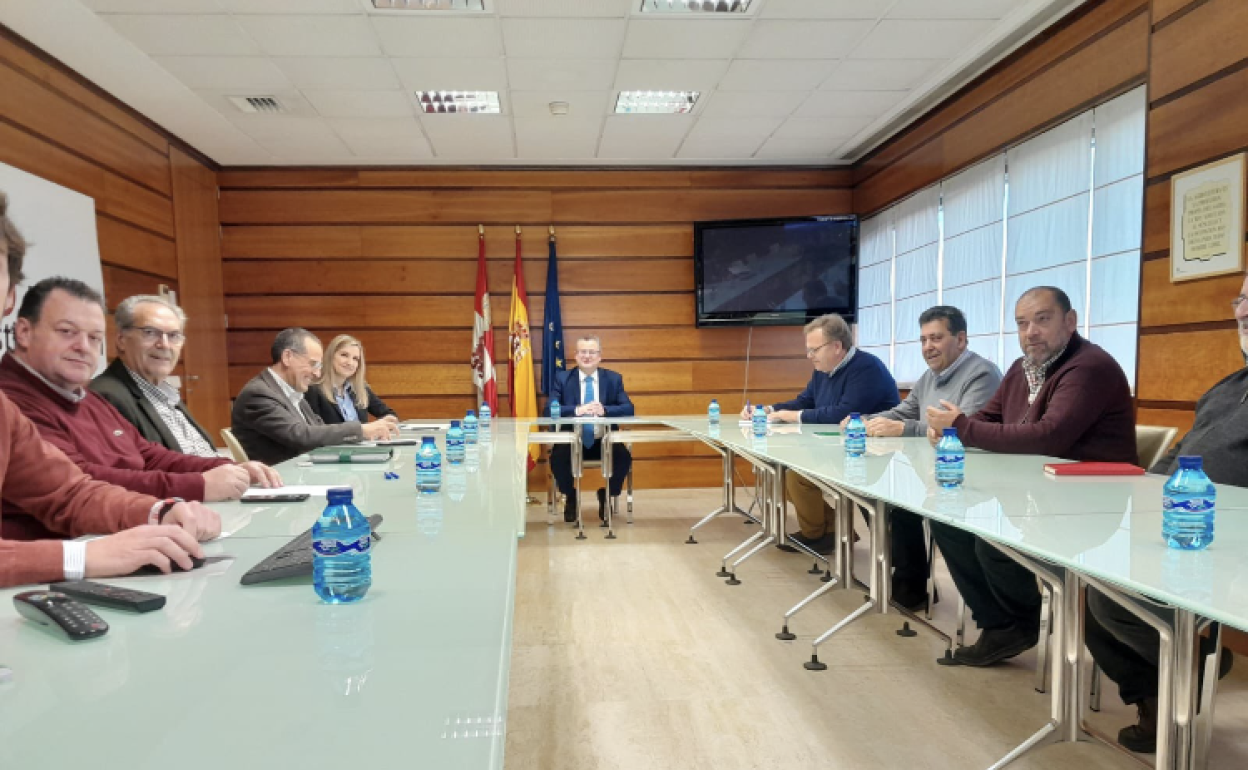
{"points": [[520, 373]]}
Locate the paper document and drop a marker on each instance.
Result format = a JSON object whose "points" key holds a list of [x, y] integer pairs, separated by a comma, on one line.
{"points": [[415, 425]]}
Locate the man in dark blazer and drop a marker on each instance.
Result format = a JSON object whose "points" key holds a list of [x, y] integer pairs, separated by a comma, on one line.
{"points": [[151, 331], [590, 391], [272, 420]]}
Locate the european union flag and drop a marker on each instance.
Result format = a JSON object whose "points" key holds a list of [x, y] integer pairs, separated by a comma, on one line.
{"points": [[552, 326]]}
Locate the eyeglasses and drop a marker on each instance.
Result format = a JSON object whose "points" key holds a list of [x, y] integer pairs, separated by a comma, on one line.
{"points": [[1235, 303], [588, 352], [152, 334], [316, 365], [811, 351]]}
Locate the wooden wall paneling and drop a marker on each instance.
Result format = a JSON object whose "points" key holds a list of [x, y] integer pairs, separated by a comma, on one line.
{"points": [[454, 241], [207, 387], [44, 112], [383, 206], [1082, 28], [1201, 43], [452, 345], [1171, 418], [695, 205], [122, 282], [1157, 218], [19, 55], [127, 246], [1207, 300], [450, 312], [434, 407], [1199, 126], [1181, 366], [376, 277], [1164, 9]]}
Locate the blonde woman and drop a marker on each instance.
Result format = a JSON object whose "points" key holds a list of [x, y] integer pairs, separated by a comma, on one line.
{"points": [[342, 395]]}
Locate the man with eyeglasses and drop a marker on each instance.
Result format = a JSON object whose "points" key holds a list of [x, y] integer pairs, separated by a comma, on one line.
{"points": [[1128, 649], [272, 420], [151, 331], [59, 335], [590, 391], [845, 380]]}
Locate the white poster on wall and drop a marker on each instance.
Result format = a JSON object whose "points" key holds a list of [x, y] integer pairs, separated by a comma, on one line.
{"points": [[59, 227]]}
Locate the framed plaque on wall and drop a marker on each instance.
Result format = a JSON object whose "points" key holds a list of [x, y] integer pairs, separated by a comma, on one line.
{"points": [[1207, 220]]}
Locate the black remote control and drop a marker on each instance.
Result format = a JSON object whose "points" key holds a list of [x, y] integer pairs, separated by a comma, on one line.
{"points": [[110, 596], [55, 610]]}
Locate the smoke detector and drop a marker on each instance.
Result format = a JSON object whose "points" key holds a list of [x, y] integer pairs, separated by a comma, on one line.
{"points": [[558, 108]]}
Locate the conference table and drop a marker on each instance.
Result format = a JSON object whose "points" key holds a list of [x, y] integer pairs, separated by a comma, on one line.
{"points": [[416, 674]]}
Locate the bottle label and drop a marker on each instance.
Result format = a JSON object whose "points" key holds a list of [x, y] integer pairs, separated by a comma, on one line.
{"points": [[948, 458], [428, 465], [1194, 505], [337, 548]]}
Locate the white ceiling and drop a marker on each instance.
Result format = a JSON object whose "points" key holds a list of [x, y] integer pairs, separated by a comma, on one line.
{"points": [[808, 82]]}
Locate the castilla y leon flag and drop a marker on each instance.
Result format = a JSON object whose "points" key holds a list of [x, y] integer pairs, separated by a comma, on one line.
{"points": [[483, 335], [520, 347]]}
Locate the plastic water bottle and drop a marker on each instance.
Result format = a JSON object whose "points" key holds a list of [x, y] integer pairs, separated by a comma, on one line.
{"points": [[759, 421], [855, 436], [470, 427], [428, 466], [484, 417], [429, 514], [555, 413], [1187, 507], [950, 459], [454, 444], [341, 541], [712, 412]]}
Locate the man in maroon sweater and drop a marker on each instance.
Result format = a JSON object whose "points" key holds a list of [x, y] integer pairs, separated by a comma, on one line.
{"points": [[1067, 398], [59, 330], [37, 477]]}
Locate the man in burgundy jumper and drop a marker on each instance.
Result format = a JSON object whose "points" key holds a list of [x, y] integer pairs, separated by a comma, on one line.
{"points": [[1067, 398], [38, 478], [58, 334]]}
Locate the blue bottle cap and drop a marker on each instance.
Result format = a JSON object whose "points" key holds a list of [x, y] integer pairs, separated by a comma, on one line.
{"points": [[339, 495], [454, 423], [714, 401], [1190, 462], [471, 413], [426, 439], [951, 432], [855, 415]]}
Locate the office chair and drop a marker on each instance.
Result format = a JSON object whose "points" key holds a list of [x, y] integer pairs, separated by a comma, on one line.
{"points": [[231, 443]]}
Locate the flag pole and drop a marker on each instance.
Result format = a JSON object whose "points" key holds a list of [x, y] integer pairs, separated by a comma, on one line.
{"points": [[552, 233]]}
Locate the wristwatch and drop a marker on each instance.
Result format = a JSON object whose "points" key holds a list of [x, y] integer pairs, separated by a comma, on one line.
{"points": [[161, 508]]}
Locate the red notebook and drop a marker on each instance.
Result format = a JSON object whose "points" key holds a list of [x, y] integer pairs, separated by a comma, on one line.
{"points": [[1093, 469]]}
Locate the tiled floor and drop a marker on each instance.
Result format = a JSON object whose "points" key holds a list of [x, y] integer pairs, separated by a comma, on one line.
{"points": [[631, 654]]}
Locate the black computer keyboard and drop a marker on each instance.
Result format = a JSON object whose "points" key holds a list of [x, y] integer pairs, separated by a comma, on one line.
{"points": [[293, 559]]}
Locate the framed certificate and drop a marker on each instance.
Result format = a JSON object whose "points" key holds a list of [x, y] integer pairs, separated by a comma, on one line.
{"points": [[1207, 220]]}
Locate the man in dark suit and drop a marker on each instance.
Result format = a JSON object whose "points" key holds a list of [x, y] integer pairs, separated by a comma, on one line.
{"points": [[151, 331], [272, 420], [590, 391]]}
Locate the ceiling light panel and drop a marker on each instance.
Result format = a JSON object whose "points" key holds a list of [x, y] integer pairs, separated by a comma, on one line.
{"points": [[448, 102], [474, 6], [694, 6], [655, 102]]}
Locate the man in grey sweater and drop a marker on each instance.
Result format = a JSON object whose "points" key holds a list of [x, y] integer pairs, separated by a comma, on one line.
{"points": [[956, 375]]}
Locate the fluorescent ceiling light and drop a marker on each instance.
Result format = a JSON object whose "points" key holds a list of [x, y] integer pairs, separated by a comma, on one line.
{"points": [[480, 102], [429, 5], [694, 6], [655, 102]]}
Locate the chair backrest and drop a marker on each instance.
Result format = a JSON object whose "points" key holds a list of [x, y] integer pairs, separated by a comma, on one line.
{"points": [[231, 443], [1152, 442]]}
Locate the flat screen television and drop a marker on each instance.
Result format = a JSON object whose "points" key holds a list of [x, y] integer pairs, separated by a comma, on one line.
{"points": [[775, 271]]}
